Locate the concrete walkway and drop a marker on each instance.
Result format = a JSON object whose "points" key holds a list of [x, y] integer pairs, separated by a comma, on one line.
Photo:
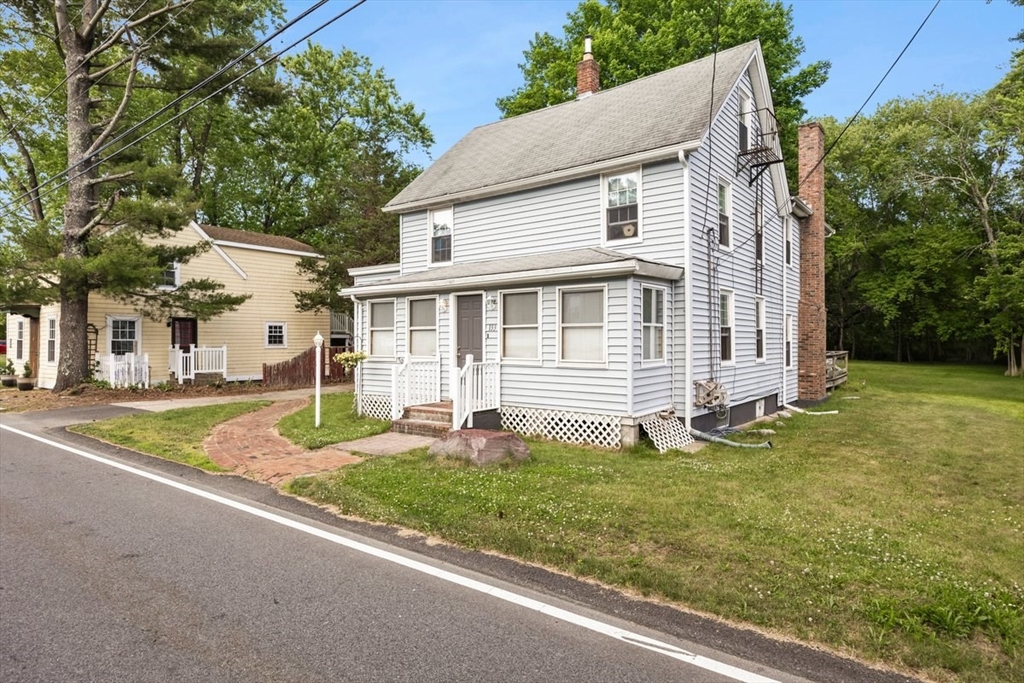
{"points": [[251, 446]]}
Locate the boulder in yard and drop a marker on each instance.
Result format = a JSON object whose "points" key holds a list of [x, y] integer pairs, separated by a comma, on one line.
{"points": [[481, 446]]}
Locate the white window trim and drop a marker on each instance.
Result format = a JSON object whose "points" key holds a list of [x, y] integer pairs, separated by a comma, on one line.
{"points": [[787, 241], [51, 320], [409, 329], [177, 279], [639, 237], [653, 362], [787, 338], [266, 334], [728, 212], [501, 326], [731, 325], [370, 329], [759, 305], [603, 288], [110, 331], [431, 263]]}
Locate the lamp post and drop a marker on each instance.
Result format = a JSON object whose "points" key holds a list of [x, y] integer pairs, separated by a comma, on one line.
{"points": [[318, 342]]}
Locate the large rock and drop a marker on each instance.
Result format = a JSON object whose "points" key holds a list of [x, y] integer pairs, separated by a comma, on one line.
{"points": [[481, 446]]}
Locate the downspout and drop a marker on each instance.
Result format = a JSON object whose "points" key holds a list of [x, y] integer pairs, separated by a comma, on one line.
{"points": [[357, 345], [787, 227], [687, 294]]}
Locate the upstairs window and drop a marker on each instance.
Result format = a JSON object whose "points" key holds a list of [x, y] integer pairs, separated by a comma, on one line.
{"points": [[653, 323], [171, 277], [382, 328], [724, 212], [726, 325], [758, 232], [788, 228], [746, 109], [759, 325], [622, 206], [441, 236], [423, 327]]}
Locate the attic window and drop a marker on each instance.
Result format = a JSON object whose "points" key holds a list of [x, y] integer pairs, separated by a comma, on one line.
{"points": [[170, 278], [622, 206], [441, 236]]}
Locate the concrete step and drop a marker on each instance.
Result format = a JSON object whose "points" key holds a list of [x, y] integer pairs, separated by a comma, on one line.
{"points": [[421, 427]]}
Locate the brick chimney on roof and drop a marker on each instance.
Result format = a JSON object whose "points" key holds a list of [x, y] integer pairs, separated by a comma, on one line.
{"points": [[588, 73], [811, 313]]}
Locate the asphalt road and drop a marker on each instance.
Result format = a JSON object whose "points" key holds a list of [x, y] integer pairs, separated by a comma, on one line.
{"points": [[117, 568]]}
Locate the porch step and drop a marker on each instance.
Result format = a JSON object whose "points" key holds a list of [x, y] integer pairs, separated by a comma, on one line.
{"points": [[422, 427], [429, 419]]}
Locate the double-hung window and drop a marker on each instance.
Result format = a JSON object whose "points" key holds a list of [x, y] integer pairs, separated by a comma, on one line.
{"points": [[581, 325], [759, 327], [746, 130], [19, 341], [653, 323], [441, 236], [124, 335], [51, 340], [171, 276], [382, 328], [520, 326], [726, 325], [788, 228], [276, 335], [724, 213], [622, 206], [423, 327]]}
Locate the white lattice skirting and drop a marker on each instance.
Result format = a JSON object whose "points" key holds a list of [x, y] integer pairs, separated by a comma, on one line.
{"points": [[666, 432], [564, 425], [376, 405]]}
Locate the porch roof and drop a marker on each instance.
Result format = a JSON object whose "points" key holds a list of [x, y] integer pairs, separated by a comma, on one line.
{"points": [[556, 266]]}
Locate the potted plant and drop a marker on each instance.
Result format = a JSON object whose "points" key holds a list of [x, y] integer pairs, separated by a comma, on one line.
{"points": [[7, 376], [25, 382]]}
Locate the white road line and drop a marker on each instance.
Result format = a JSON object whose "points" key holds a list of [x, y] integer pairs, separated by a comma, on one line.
{"points": [[605, 629]]}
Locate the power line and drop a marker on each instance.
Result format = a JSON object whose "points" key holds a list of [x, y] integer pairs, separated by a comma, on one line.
{"points": [[194, 89]]}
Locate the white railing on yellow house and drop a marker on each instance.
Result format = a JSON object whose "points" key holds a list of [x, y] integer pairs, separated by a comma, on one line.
{"points": [[201, 360]]}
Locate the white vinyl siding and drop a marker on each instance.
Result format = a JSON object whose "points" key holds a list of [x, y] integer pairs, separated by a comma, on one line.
{"points": [[275, 335], [382, 328], [520, 326], [581, 330], [423, 327]]}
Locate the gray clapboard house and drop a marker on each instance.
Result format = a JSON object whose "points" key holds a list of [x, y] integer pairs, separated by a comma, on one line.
{"points": [[628, 257]]}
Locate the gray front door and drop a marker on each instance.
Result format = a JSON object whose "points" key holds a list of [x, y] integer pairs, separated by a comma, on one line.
{"points": [[470, 327]]}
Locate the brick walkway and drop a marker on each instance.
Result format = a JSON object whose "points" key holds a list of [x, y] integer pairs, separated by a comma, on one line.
{"points": [[250, 445]]}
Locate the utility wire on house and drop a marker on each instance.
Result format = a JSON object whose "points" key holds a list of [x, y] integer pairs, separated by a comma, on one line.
{"points": [[272, 59]]}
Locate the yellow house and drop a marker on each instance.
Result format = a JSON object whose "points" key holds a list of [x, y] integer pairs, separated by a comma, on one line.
{"points": [[265, 329]]}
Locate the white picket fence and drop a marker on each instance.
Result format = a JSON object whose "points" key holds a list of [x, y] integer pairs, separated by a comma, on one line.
{"points": [[185, 365], [129, 370]]}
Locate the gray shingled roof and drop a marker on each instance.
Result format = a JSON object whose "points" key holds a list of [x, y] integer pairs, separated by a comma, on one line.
{"points": [[256, 239], [526, 266], [660, 110]]}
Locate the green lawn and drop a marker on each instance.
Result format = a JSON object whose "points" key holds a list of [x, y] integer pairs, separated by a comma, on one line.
{"points": [[338, 423], [174, 434], [893, 531]]}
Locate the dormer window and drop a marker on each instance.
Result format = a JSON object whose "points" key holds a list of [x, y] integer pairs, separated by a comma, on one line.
{"points": [[441, 236], [622, 206]]}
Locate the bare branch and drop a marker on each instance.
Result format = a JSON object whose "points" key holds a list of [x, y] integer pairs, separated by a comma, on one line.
{"points": [[127, 26], [98, 218], [35, 203], [94, 21], [97, 75], [110, 178], [105, 135]]}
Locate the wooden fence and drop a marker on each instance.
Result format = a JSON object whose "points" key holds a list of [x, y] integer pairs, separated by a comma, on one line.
{"points": [[300, 371]]}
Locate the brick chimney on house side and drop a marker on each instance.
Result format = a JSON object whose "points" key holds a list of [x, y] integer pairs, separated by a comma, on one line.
{"points": [[811, 312], [588, 73]]}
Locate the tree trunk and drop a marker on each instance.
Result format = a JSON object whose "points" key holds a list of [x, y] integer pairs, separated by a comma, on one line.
{"points": [[79, 209]]}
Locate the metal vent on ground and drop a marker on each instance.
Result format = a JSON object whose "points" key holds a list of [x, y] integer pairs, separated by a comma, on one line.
{"points": [[666, 432]]}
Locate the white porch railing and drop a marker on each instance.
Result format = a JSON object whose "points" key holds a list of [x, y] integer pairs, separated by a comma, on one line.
{"points": [[474, 387], [197, 360], [413, 383], [341, 323], [124, 371]]}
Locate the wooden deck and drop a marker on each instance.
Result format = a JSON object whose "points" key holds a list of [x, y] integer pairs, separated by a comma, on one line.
{"points": [[835, 368]]}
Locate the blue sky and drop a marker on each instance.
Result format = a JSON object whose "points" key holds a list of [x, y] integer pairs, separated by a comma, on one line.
{"points": [[454, 58]]}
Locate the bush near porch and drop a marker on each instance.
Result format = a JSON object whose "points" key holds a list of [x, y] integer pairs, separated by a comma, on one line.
{"points": [[893, 531]]}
